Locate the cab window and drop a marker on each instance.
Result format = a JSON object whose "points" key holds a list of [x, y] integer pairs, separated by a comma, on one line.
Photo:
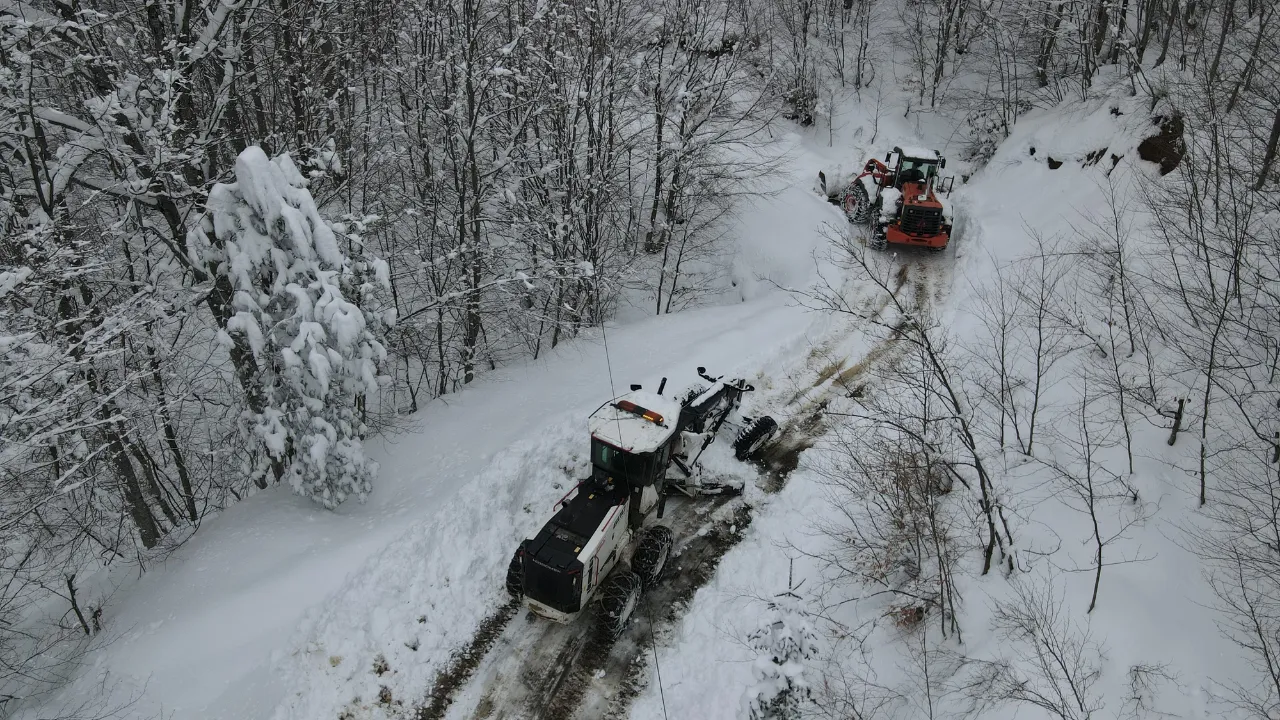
{"points": [[622, 464]]}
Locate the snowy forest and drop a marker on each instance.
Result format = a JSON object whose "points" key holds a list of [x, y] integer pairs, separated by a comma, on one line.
{"points": [[238, 238]]}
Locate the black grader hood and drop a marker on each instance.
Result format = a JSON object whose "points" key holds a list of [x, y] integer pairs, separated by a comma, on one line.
{"points": [[552, 571]]}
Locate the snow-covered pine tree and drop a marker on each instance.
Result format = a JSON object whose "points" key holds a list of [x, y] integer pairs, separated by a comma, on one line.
{"points": [[784, 643], [316, 351]]}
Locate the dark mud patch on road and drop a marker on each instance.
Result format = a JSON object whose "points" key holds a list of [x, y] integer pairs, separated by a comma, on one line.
{"points": [[782, 456], [692, 570], [463, 662]]}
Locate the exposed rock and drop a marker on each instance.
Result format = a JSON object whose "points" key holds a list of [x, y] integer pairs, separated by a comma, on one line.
{"points": [[1167, 148]]}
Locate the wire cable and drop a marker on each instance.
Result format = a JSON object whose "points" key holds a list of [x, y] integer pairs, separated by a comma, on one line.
{"points": [[653, 643], [613, 391]]}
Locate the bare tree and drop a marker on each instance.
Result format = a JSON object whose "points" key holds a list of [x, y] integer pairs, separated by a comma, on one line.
{"points": [[908, 320], [1053, 664], [1047, 338], [1090, 486]]}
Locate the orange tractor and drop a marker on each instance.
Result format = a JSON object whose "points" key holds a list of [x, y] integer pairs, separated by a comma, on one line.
{"points": [[900, 198]]}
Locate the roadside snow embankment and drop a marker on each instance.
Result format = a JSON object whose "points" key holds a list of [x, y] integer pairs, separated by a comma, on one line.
{"points": [[1096, 566]]}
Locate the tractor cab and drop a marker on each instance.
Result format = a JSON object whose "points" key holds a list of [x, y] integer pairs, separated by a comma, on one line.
{"points": [[631, 438], [917, 166]]}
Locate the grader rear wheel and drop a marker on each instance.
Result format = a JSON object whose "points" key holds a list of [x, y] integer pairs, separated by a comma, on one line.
{"points": [[652, 554], [618, 599], [515, 575]]}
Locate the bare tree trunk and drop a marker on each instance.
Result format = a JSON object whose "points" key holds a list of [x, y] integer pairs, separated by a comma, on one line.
{"points": [[75, 605], [171, 441], [1247, 73], [139, 511], [1222, 42], [1048, 40], [1171, 20], [1269, 156]]}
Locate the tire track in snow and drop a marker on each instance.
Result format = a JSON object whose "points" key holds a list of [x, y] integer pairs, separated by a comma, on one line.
{"points": [[541, 670], [531, 668]]}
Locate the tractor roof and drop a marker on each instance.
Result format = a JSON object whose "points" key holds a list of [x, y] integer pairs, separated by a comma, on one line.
{"points": [[628, 428], [918, 153]]}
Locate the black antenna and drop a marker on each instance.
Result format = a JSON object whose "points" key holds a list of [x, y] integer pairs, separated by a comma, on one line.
{"points": [[608, 363], [661, 386]]}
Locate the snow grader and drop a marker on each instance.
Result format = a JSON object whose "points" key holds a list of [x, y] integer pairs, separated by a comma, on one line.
{"points": [[605, 540], [901, 198]]}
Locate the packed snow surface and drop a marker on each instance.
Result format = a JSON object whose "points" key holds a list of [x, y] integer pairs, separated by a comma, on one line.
{"points": [[1154, 609]]}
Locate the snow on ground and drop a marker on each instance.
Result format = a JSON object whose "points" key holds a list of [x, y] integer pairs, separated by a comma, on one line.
{"points": [[277, 608], [1153, 606], [778, 240], [1017, 194], [280, 610], [709, 670]]}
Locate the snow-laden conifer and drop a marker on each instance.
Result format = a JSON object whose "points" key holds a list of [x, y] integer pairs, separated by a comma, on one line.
{"points": [[296, 311], [784, 643]]}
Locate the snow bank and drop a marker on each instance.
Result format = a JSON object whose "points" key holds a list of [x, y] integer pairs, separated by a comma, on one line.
{"points": [[781, 235], [1153, 606], [1020, 193], [706, 662], [425, 594]]}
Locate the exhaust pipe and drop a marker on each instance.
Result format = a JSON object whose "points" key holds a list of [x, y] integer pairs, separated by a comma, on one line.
{"points": [[662, 385]]}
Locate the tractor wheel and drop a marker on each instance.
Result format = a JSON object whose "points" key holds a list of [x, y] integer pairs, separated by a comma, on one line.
{"points": [[618, 599], [652, 554], [515, 575], [877, 241], [857, 206], [754, 436]]}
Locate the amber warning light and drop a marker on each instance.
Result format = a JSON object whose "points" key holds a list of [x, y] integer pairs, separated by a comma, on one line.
{"points": [[628, 406]]}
